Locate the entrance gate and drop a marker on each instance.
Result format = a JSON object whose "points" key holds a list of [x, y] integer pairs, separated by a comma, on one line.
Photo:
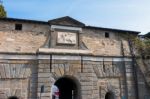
{"points": [[69, 88], [109, 95], [13, 97]]}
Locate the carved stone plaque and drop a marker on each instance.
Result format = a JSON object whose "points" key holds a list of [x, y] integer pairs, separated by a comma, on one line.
{"points": [[66, 38]]}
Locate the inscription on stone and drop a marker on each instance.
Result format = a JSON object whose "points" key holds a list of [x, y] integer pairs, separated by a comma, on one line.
{"points": [[66, 38]]}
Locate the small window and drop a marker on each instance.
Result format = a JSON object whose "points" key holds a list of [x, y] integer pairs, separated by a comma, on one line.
{"points": [[106, 35], [18, 26]]}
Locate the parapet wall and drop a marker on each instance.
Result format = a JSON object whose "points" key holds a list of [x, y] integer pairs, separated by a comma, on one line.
{"points": [[34, 36]]}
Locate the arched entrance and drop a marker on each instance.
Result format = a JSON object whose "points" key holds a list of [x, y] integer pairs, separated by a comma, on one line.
{"points": [[69, 87], [13, 97], [109, 95]]}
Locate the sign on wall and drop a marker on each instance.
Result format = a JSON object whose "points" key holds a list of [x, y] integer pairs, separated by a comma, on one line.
{"points": [[66, 38]]}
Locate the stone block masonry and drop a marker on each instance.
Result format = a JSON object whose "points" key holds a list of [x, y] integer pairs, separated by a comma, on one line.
{"points": [[86, 62]]}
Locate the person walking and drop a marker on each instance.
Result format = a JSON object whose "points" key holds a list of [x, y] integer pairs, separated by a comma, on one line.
{"points": [[54, 89]]}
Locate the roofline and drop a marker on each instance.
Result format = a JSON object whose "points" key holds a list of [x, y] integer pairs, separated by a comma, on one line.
{"points": [[112, 29], [51, 21], [68, 25], [84, 26], [24, 20]]}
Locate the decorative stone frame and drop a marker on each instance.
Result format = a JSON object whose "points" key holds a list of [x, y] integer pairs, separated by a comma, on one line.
{"points": [[55, 29]]}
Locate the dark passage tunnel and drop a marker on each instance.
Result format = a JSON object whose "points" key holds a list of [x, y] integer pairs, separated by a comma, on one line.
{"points": [[109, 95], [13, 97], [68, 88]]}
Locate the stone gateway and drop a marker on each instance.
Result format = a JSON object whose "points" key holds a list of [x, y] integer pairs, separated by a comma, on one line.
{"points": [[86, 62]]}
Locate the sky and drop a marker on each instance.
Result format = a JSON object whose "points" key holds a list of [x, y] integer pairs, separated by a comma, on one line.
{"points": [[120, 14]]}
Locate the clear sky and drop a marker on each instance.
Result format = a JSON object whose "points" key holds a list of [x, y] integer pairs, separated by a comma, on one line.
{"points": [[121, 14]]}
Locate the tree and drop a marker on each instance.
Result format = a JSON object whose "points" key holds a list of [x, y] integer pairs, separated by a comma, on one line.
{"points": [[142, 46], [147, 35], [3, 13], [147, 46]]}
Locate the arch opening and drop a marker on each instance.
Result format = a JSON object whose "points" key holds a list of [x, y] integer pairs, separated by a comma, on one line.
{"points": [[13, 97], [69, 88], [109, 95]]}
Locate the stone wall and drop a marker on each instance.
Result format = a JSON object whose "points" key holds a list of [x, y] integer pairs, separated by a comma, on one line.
{"points": [[143, 73], [25, 42], [34, 35], [104, 71], [95, 41], [95, 77], [18, 78], [28, 40], [26, 26]]}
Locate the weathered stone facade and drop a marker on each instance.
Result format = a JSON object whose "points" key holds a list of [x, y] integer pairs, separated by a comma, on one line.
{"points": [[85, 63]]}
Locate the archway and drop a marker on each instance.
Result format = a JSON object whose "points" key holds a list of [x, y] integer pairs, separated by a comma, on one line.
{"points": [[13, 97], [69, 87], [109, 95]]}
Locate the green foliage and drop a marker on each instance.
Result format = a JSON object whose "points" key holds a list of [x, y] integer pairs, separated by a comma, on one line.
{"points": [[143, 46], [3, 13], [147, 46], [139, 45], [147, 35]]}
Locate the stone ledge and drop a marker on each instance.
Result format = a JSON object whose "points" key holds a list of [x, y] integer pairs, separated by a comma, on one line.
{"points": [[64, 51]]}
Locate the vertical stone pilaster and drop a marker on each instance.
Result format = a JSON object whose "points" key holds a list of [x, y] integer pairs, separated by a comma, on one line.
{"points": [[130, 80], [88, 82], [43, 79], [33, 81]]}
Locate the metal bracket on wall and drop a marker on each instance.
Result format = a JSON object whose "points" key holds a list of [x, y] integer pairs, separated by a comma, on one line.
{"points": [[81, 64], [50, 63]]}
